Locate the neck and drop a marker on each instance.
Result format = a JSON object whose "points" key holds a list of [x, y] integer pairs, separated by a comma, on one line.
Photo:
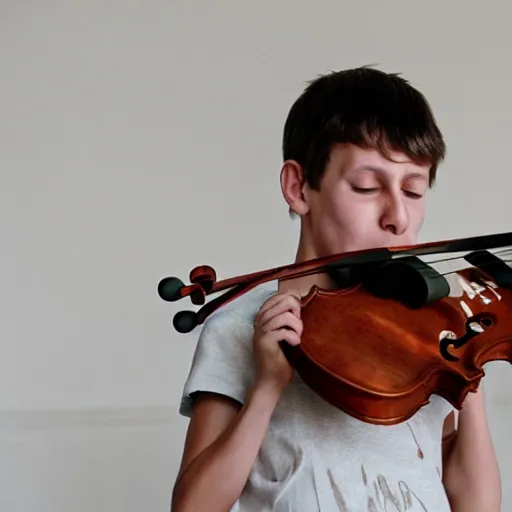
{"points": [[302, 285]]}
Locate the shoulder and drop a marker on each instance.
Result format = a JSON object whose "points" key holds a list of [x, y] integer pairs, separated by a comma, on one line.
{"points": [[234, 321], [223, 359], [243, 309]]}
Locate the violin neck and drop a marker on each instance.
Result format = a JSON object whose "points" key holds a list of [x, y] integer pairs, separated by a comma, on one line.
{"points": [[360, 259]]}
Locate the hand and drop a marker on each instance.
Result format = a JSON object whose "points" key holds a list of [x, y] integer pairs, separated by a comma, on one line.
{"points": [[278, 320]]}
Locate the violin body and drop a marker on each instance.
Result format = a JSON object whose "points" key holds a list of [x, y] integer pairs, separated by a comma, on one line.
{"points": [[379, 360], [379, 344]]}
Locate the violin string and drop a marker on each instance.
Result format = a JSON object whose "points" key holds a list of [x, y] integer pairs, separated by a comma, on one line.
{"points": [[480, 266], [440, 275], [430, 263], [503, 251], [453, 258]]}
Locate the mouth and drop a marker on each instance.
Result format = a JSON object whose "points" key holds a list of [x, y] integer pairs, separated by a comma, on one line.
{"points": [[392, 243]]}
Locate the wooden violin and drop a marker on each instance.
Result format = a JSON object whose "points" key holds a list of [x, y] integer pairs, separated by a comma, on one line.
{"points": [[393, 333]]}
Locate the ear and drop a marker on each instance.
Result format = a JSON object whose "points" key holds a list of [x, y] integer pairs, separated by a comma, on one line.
{"points": [[292, 187]]}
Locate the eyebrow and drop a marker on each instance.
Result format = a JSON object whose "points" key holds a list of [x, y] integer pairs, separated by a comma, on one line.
{"points": [[383, 170]]}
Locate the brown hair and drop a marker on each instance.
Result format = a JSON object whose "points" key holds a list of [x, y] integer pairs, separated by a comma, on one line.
{"points": [[365, 107]]}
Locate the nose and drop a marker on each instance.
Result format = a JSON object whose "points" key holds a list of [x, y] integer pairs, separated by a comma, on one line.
{"points": [[395, 218]]}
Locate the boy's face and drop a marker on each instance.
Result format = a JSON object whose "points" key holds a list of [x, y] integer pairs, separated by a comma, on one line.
{"points": [[365, 201]]}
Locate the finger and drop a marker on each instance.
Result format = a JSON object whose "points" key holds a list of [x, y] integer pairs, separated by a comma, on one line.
{"points": [[290, 337], [284, 320], [275, 300], [268, 304], [286, 303]]}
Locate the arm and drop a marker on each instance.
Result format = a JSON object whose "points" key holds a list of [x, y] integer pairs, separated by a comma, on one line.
{"points": [[470, 469], [222, 443], [224, 438]]}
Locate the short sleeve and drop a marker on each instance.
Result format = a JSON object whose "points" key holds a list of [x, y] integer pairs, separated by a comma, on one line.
{"points": [[223, 360]]}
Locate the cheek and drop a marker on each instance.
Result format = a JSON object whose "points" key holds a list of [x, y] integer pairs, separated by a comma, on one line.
{"points": [[353, 215], [416, 213], [338, 213], [345, 226]]}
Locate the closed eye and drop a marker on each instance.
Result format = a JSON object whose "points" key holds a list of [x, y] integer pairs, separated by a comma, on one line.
{"points": [[371, 190], [412, 195], [361, 190]]}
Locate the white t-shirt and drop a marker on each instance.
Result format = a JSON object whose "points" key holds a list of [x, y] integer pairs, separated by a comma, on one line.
{"points": [[315, 457]]}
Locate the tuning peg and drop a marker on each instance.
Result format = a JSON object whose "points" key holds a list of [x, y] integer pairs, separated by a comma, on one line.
{"points": [[205, 276], [170, 288], [185, 321]]}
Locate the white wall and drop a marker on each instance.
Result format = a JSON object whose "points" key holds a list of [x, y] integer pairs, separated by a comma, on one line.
{"points": [[139, 139]]}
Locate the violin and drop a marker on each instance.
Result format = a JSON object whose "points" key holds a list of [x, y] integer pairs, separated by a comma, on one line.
{"points": [[391, 333]]}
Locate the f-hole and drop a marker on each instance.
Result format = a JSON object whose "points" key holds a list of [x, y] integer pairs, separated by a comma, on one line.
{"points": [[474, 326]]}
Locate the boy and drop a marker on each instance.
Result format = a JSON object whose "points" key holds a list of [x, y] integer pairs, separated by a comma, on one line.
{"points": [[361, 149]]}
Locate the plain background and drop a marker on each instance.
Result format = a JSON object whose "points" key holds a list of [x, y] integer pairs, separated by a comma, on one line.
{"points": [[142, 138]]}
